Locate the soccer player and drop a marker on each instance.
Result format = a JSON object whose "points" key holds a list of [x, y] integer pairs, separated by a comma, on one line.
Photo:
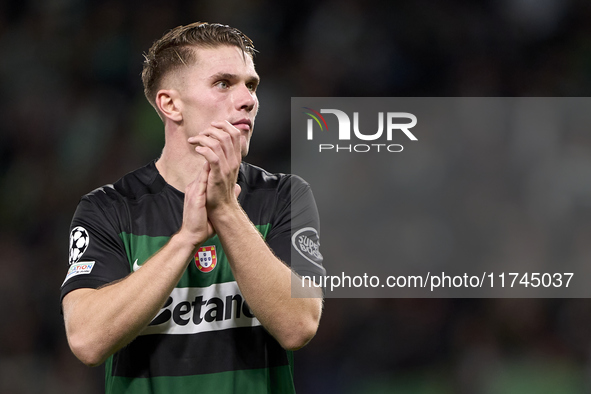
{"points": [[180, 272]]}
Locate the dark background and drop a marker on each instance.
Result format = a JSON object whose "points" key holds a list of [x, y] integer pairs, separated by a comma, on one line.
{"points": [[74, 118]]}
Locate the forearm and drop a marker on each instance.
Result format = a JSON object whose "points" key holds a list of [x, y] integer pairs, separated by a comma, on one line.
{"points": [[100, 322], [265, 281]]}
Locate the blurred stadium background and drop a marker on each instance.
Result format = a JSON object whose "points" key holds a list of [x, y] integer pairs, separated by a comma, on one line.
{"points": [[74, 118]]}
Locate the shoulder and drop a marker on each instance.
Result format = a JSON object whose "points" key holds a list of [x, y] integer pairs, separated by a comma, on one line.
{"points": [[111, 204], [132, 186], [256, 178]]}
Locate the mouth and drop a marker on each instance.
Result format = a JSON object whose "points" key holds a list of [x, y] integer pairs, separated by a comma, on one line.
{"points": [[243, 124]]}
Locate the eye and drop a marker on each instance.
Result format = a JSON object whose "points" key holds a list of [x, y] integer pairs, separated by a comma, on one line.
{"points": [[252, 86], [223, 84]]}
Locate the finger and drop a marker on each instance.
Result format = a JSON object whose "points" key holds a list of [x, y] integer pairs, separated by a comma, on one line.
{"points": [[226, 138], [237, 190], [230, 139], [213, 153], [194, 184], [198, 187], [234, 133], [220, 144], [203, 178]]}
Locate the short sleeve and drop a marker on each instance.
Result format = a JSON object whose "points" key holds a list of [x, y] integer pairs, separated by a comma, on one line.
{"points": [[96, 252], [295, 233]]}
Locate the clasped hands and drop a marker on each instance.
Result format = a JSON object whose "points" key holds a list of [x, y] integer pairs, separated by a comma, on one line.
{"points": [[214, 191]]}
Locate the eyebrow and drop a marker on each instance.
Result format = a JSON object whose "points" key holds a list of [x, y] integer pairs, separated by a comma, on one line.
{"points": [[233, 77]]}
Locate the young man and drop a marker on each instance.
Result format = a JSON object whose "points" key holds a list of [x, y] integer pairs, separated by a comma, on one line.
{"points": [[159, 280]]}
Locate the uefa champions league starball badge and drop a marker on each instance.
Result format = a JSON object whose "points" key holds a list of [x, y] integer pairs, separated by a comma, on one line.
{"points": [[79, 241], [205, 258]]}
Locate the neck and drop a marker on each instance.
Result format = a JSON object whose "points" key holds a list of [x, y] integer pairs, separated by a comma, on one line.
{"points": [[179, 165]]}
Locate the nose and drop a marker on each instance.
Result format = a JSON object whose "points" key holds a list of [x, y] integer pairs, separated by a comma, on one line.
{"points": [[245, 99]]}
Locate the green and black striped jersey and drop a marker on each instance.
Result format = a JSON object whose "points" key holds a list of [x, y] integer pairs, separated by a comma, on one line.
{"points": [[205, 339]]}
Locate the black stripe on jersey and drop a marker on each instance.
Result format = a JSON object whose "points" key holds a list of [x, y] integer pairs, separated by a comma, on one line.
{"points": [[139, 199], [196, 354]]}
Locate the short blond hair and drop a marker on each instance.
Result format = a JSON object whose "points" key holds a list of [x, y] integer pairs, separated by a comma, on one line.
{"points": [[175, 49]]}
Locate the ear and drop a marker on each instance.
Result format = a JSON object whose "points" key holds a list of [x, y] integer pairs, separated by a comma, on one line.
{"points": [[169, 104]]}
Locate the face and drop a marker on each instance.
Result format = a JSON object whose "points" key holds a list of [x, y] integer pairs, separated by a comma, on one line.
{"points": [[220, 86]]}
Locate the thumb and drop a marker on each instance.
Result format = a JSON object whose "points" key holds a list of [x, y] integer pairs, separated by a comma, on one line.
{"points": [[237, 190], [202, 179]]}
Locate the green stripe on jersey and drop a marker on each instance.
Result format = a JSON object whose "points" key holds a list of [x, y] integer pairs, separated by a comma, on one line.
{"points": [[249, 381], [142, 247]]}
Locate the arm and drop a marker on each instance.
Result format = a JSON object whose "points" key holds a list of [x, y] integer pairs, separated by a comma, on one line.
{"points": [[101, 321], [264, 280]]}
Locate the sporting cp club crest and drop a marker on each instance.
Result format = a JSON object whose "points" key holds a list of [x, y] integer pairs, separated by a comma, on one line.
{"points": [[205, 259]]}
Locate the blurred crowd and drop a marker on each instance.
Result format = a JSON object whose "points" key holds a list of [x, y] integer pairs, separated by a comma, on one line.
{"points": [[74, 118]]}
